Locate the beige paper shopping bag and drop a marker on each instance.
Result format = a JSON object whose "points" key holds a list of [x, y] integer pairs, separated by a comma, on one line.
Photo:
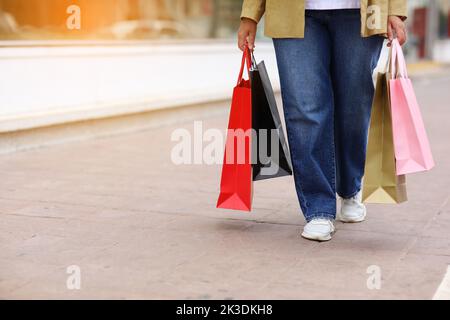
{"points": [[381, 183]]}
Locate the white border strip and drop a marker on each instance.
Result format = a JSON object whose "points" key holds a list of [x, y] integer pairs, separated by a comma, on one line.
{"points": [[443, 292]]}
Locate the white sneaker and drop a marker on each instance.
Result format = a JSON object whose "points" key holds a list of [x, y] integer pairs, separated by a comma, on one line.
{"points": [[319, 230], [352, 210]]}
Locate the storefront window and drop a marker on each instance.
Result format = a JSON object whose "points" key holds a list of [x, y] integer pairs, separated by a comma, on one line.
{"points": [[118, 19]]}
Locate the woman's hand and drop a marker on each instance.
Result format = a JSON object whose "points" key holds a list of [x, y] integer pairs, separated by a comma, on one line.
{"points": [[396, 27], [247, 34]]}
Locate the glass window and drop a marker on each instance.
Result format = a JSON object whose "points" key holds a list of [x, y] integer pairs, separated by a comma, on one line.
{"points": [[118, 19]]}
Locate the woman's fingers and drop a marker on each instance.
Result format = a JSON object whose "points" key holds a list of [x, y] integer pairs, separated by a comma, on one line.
{"points": [[251, 41], [401, 35], [246, 40], [396, 29], [247, 34], [390, 32], [242, 40]]}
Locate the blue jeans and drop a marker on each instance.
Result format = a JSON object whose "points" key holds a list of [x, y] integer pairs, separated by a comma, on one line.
{"points": [[327, 91]]}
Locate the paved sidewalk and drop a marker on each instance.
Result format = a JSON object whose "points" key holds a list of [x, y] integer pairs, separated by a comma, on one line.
{"points": [[140, 227]]}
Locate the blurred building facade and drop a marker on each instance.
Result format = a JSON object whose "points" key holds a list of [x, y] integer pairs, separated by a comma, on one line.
{"points": [[429, 29], [130, 59], [121, 19], [138, 56]]}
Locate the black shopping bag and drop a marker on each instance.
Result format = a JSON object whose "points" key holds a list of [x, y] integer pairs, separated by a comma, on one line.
{"points": [[270, 153]]}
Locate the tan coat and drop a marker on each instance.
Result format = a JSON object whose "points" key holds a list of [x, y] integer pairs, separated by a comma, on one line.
{"points": [[286, 18]]}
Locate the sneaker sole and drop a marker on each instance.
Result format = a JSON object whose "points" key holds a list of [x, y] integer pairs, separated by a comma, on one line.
{"points": [[316, 237]]}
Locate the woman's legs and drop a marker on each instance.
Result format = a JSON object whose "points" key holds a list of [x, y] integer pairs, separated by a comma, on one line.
{"points": [[304, 67], [353, 60], [327, 89]]}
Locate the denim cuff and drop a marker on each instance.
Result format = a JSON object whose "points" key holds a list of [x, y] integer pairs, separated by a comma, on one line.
{"points": [[320, 215], [351, 195]]}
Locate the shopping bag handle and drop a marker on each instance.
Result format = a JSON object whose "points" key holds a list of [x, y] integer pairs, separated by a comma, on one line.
{"points": [[253, 60], [398, 62], [246, 60]]}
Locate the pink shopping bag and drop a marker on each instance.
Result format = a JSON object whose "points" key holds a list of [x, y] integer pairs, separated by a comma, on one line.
{"points": [[411, 145]]}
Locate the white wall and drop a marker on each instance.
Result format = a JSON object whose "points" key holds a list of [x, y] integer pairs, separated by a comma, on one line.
{"points": [[44, 85], [442, 51]]}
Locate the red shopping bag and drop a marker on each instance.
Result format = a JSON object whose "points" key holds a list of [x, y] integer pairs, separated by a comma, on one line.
{"points": [[236, 185], [411, 145]]}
